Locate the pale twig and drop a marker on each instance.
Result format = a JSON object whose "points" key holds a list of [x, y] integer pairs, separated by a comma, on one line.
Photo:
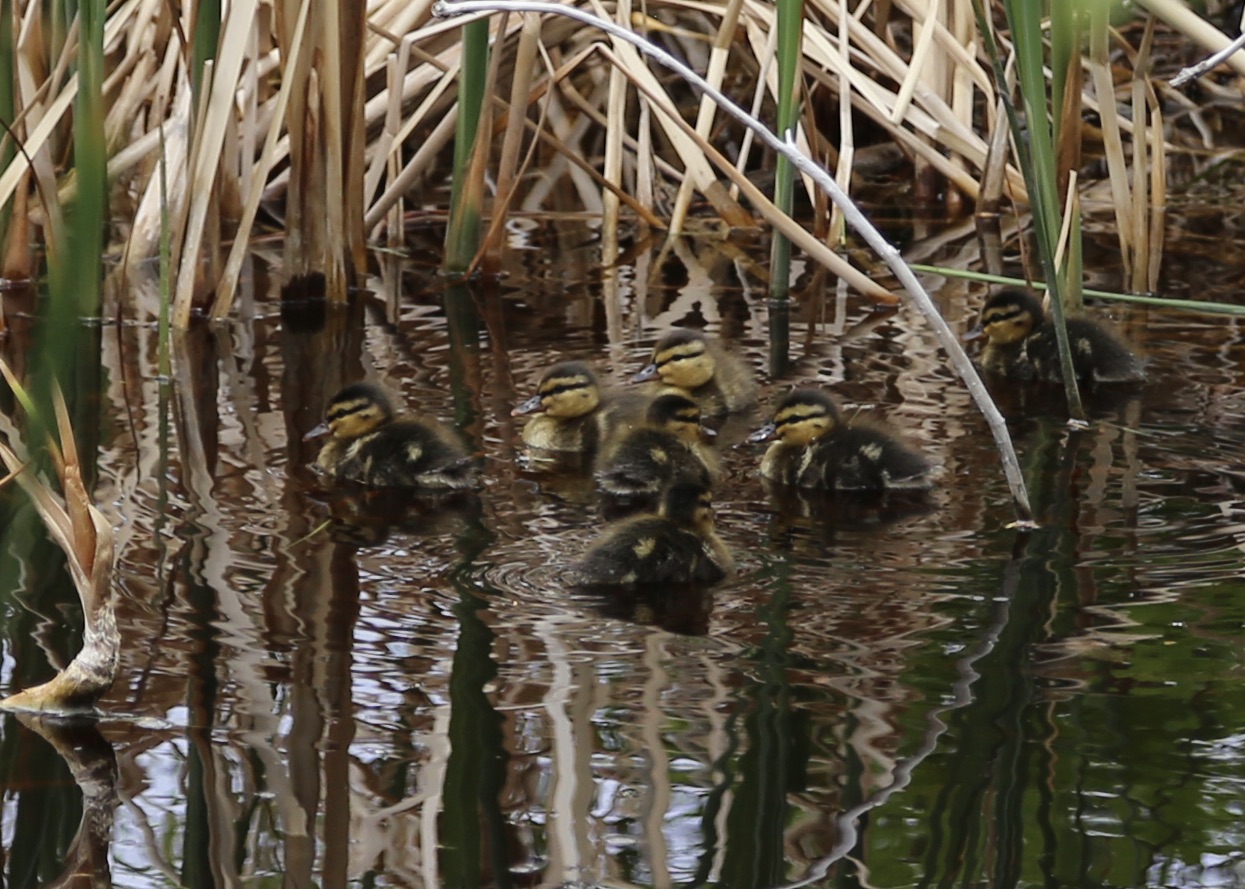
{"points": [[858, 221], [1195, 71]]}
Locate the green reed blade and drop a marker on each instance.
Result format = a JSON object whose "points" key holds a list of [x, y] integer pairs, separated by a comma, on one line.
{"points": [[204, 40], [462, 237], [1035, 149], [789, 49]]}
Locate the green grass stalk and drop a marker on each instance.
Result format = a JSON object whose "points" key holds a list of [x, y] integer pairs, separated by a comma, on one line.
{"points": [[205, 39], [790, 24], [76, 281], [462, 237], [1034, 140]]}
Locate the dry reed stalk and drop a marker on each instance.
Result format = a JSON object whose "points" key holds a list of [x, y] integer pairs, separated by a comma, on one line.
{"points": [[1141, 175], [766, 60], [919, 68], [1158, 191], [1113, 143], [645, 169], [929, 116], [963, 28], [837, 231], [799, 236], [512, 138], [84, 534], [144, 237], [723, 39], [392, 161], [616, 114], [382, 153], [228, 284], [694, 162], [1071, 211], [206, 152]]}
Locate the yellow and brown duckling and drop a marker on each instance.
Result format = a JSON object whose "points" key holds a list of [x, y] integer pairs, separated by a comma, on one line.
{"points": [[720, 382], [1023, 345], [371, 444], [678, 545], [574, 415], [668, 448], [815, 448]]}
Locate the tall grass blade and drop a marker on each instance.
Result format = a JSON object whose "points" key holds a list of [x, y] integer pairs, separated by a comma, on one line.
{"points": [[1034, 142], [462, 237], [790, 26]]}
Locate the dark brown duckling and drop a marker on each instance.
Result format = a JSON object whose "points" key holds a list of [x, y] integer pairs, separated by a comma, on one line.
{"points": [[370, 444], [678, 545], [667, 448], [816, 449], [1023, 345], [574, 415], [718, 381]]}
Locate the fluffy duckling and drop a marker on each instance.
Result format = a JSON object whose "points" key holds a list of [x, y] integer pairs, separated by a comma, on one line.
{"points": [[666, 449], [1023, 345], [371, 445], [685, 360], [816, 449], [677, 545], [574, 415]]}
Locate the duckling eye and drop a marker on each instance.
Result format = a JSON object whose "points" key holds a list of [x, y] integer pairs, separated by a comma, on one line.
{"points": [[337, 411], [559, 388], [663, 360]]}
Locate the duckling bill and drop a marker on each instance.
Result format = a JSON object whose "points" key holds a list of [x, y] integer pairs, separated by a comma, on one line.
{"points": [[718, 381], [815, 448], [678, 545], [1021, 344], [371, 445]]}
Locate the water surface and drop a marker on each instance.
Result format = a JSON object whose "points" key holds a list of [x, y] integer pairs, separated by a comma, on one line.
{"points": [[329, 687]]}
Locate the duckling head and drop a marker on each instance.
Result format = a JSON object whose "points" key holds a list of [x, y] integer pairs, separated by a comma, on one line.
{"points": [[801, 418], [681, 359], [689, 505], [566, 391], [680, 416], [1010, 316], [356, 410]]}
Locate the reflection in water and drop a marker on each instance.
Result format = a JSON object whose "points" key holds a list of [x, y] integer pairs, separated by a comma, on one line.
{"points": [[46, 811], [889, 691]]}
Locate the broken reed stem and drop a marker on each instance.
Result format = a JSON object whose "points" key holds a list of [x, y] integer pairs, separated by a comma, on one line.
{"points": [[890, 255], [86, 538]]}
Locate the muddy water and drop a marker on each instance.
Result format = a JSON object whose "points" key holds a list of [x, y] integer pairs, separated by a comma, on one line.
{"points": [[330, 687]]}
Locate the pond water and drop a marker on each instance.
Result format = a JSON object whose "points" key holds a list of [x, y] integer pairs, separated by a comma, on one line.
{"points": [[321, 687]]}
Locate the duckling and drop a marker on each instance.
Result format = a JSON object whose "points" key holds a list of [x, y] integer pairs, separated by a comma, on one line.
{"points": [[371, 445], [667, 448], [575, 415], [677, 545], [816, 449], [685, 360], [1023, 345]]}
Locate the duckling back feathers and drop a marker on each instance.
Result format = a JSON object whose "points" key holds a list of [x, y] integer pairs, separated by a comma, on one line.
{"points": [[678, 545], [370, 446], [1023, 345], [646, 459], [817, 450], [1097, 354]]}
